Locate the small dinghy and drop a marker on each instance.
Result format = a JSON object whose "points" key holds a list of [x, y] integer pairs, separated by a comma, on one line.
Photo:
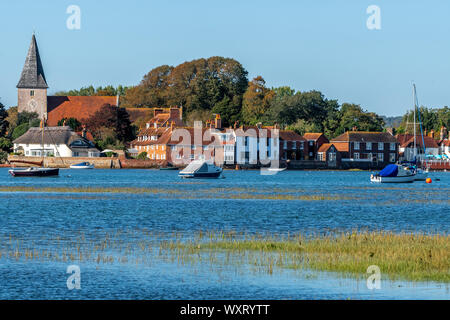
{"points": [[82, 165], [201, 169], [393, 173], [34, 172]]}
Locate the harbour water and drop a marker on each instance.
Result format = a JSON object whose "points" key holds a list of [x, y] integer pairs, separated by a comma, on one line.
{"points": [[122, 208]]}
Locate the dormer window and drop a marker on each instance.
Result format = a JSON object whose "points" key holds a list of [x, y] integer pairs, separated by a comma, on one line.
{"points": [[154, 138]]}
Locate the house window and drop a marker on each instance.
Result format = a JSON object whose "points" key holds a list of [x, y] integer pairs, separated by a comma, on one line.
{"points": [[178, 156], [332, 156], [294, 145], [368, 145], [163, 157], [157, 156], [302, 145], [356, 155], [356, 146], [392, 157], [192, 157], [380, 157], [32, 93], [392, 146], [193, 147], [380, 146], [320, 156], [284, 144]]}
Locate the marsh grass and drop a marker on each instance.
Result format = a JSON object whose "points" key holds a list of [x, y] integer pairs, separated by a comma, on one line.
{"points": [[400, 256], [215, 193], [414, 257]]}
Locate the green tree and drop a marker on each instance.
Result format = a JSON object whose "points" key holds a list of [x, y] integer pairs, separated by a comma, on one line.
{"points": [[3, 120], [352, 115], [256, 101], [111, 125], [142, 156], [204, 84], [73, 123]]}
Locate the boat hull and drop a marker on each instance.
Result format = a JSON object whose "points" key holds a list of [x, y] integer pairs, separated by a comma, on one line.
{"points": [[203, 175], [403, 179], [82, 167], [45, 172]]}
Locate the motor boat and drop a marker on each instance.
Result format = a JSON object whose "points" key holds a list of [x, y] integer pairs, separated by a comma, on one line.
{"points": [[393, 173], [34, 172], [201, 169], [82, 165]]}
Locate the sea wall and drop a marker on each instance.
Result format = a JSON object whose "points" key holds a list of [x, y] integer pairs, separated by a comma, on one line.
{"points": [[66, 162]]}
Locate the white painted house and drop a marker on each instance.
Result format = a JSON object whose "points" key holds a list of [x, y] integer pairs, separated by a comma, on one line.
{"points": [[256, 145], [56, 142]]}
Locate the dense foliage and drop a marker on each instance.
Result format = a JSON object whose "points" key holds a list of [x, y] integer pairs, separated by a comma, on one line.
{"points": [[214, 85], [431, 118], [73, 123], [91, 91], [110, 127]]}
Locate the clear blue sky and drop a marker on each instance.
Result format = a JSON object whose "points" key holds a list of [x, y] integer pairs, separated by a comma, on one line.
{"points": [[323, 45]]}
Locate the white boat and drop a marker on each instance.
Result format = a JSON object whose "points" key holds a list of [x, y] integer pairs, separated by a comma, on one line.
{"points": [[276, 169], [82, 165], [393, 173], [201, 169]]}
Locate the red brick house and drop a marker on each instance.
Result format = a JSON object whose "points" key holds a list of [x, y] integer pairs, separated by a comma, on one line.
{"points": [[371, 148], [314, 142], [328, 153], [292, 146]]}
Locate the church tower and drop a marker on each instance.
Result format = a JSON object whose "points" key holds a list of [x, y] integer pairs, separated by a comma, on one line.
{"points": [[32, 86]]}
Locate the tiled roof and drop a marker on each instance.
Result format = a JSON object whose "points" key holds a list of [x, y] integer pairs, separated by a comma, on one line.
{"points": [[52, 136], [402, 138], [325, 147], [341, 146], [312, 135], [289, 135], [429, 142], [33, 73], [79, 107], [363, 136]]}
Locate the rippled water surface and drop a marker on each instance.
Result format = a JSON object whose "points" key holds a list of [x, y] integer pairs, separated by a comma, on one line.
{"points": [[45, 213]]}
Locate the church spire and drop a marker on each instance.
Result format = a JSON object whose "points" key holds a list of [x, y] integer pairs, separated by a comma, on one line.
{"points": [[33, 73]]}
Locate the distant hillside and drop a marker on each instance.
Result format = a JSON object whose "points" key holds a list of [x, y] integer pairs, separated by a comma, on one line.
{"points": [[392, 122]]}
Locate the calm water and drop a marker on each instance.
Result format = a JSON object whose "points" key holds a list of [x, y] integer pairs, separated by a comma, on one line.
{"points": [[244, 201]]}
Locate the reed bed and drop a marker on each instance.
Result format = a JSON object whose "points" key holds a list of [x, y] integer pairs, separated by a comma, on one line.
{"points": [[216, 193], [400, 256], [414, 257]]}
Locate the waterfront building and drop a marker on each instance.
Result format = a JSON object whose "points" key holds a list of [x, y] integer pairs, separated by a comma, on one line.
{"points": [[329, 154], [366, 149], [32, 94], [292, 146], [406, 148], [54, 142], [314, 142]]}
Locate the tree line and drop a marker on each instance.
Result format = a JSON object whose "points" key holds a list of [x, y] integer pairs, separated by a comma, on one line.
{"points": [[219, 85]]}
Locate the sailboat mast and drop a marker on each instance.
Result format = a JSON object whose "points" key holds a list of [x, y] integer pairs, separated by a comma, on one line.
{"points": [[415, 142]]}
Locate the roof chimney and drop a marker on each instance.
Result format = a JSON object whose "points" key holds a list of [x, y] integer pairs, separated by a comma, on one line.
{"points": [[218, 122], [84, 131], [443, 134]]}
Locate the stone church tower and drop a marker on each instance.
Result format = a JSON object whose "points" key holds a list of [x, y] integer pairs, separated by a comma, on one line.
{"points": [[32, 86]]}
